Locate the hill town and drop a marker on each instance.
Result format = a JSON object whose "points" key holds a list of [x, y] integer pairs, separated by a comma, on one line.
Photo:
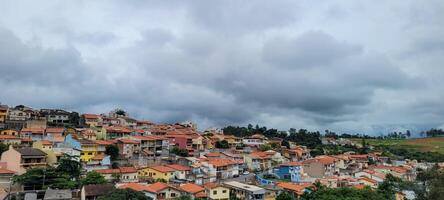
{"points": [[58, 154]]}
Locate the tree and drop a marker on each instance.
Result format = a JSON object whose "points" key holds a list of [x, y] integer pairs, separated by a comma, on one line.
{"points": [[180, 152], [3, 148], [120, 112], [69, 166], [223, 144], [265, 147], [284, 196], [93, 177], [124, 194], [112, 151], [184, 197]]}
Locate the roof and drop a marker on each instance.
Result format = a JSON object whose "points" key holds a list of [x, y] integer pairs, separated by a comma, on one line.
{"points": [[213, 154], [162, 168], [364, 178], [149, 138], [200, 195], [157, 187], [33, 130], [8, 137], [192, 188], [179, 167], [103, 142], [91, 116], [98, 157], [98, 190], [298, 188], [135, 186], [28, 151], [239, 185], [211, 185], [46, 142], [260, 155], [55, 130], [6, 171], [359, 186], [128, 141], [294, 163], [221, 162], [118, 170], [51, 194]]}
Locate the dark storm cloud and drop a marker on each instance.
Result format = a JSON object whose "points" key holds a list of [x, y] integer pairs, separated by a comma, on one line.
{"points": [[279, 63]]}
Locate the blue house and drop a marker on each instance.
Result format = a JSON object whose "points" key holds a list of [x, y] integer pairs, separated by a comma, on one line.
{"points": [[290, 170]]}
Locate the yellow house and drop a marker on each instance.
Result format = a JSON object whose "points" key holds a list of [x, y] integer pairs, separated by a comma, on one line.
{"points": [[3, 113], [46, 146], [88, 150], [157, 172], [216, 192], [9, 132]]}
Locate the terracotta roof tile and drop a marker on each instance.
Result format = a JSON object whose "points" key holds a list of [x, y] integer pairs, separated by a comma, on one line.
{"points": [[191, 188], [157, 187], [179, 167], [162, 168]]}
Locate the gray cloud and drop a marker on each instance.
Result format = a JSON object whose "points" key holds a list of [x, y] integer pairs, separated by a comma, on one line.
{"points": [[281, 64]]}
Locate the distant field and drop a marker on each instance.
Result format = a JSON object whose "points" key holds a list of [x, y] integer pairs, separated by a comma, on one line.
{"points": [[421, 144]]}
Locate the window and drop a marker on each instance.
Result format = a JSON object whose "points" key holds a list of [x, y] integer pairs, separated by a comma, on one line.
{"points": [[173, 194], [90, 153], [224, 191], [215, 192]]}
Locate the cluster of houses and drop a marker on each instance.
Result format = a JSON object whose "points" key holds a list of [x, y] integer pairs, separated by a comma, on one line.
{"points": [[146, 163]]}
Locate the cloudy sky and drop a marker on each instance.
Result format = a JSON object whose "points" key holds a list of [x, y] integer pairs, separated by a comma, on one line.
{"points": [[342, 65]]}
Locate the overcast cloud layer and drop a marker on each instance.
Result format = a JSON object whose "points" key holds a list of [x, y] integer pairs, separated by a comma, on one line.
{"points": [[343, 65]]}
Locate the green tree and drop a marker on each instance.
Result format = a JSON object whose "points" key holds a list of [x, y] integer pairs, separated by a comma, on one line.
{"points": [[3, 148], [112, 151], [180, 152], [69, 165], [285, 196], [93, 177], [184, 197], [124, 194], [265, 147], [223, 144]]}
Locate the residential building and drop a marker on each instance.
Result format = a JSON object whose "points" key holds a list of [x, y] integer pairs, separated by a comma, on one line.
{"points": [[158, 145], [245, 191], [156, 191], [124, 174], [88, 149], [33, 133], [254, 140], [259, 161], [157, 172], [54, 194], [3, 114], [21, 159], [91, 120], [220, 168], [195, 191], [10, 139], [291, 171], [5, 177], [128, 147], [92, 192], [321, 166], [295, 189], [216, 191], [10, 132]]}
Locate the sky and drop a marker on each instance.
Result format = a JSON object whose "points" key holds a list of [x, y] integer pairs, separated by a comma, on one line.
{"points": [[347, 66]]}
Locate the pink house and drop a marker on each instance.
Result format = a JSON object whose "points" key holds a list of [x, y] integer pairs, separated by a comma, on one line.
{"points": [[19, 160]]}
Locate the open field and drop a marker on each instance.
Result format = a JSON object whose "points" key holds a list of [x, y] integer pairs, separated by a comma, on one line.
{"points": [[435, 144]]}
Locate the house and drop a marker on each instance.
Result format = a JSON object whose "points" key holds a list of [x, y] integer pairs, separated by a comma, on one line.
{"points": [[33, 133], [158, 145], [9, 132], [56, 116], [258, 161], [368, 182], [92, 192], [51, 194], [55, 134], [88, 149], [100, 161], [5, 177], [245, 191], [181, 172], [9, 139], [156, 191], [254, 140], [158, 172], [195, 191], [17, 115], [124, 174], [290, 170], [320, 166], [91, 120], [113, 132], [216, 191], [128, 147], [299, 153], [295, 189], [232, 140], [220, 168], [3, 114], [21, 159]]}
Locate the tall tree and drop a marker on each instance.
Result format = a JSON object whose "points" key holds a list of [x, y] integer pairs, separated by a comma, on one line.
{"points": [[93, 177], [112, 151], [124, 194]]}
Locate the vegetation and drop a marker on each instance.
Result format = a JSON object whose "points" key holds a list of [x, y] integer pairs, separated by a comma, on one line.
{"points": [[3, 148], [124, 194], [184, 197], [180, 152], [324, 193], [222, 144], [265, 147], [93, 177], [112, 151], [285, 196]]}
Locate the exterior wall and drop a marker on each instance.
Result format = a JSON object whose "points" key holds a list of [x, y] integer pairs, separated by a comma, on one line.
{"points": [[9, 132], [218, 193], [36, 123], [13, 159], [168, 193], [314, 169], [148, 172]]}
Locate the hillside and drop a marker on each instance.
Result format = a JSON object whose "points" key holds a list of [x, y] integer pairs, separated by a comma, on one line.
{"points": [[435, 144]]}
